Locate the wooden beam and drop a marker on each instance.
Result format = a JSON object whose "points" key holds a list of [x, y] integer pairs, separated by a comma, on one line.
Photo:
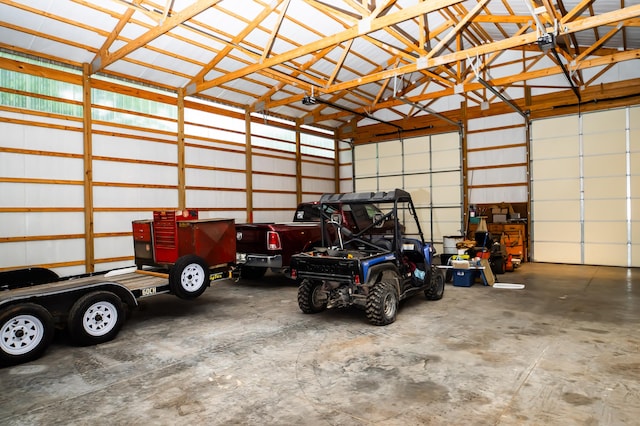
{"points": [[182, 185], [199, 78], [89, 236], [510, 43], [103, 61], [364, 26]]}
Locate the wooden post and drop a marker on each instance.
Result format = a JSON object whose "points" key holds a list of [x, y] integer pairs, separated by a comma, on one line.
{"points": [[466, 191], [89, 236], [182, 186], [298, 165], [336, 161], [248, 165]]}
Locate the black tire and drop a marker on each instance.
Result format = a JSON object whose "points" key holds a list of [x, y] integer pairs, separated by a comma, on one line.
{"points": [[26, 330], [311, 298], [448, 275], [382, 304], [252, 272], [95, 318], [189, 277], [498, 265], [436, 289]]}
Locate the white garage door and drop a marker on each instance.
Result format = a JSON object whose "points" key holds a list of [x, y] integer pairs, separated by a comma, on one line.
{"points": [[428, 167], [585, 180]]}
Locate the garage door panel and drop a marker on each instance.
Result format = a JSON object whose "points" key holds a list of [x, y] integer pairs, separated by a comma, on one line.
{"points": [[556, 210], [366, 184], [564, 232], [416, 182], [605, 210], [387, 183], [605, 232], [604, 143], [605, 254], [605, 188], [420, 196], [557, 252], [558, 147], [419, 145], [445, 160], [447, 195], [555, 128], [604, 121], [559, 189], [366, 167], [390, 165], [605, 165], [390, 149], [560, 168], [418, 162], [368, 151]]}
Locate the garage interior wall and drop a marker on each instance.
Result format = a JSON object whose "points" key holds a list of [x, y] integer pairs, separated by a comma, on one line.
{"points": [[429, 167], [129, 154], [585, 184]]}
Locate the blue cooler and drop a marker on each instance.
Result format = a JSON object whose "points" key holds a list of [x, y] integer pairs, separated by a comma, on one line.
{"points": [[463, 277]]}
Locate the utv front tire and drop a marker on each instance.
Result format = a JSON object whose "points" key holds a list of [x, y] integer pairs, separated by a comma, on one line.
{"points": [[436, 289], [382, 304], [311, 297]]}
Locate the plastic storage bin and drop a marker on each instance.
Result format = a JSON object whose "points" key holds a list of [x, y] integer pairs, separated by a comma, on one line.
{"points": [[463, 277]]}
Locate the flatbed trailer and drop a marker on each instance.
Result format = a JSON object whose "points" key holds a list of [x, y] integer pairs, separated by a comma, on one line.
{"points": [[92, 307], [175, 253]]}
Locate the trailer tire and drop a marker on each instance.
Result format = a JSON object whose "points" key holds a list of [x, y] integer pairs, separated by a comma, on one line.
{"points": [[189, 277], [95, 318], [26, 330], [382, 304], [309, 299]]}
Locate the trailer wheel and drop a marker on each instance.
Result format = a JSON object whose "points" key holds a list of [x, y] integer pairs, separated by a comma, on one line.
{"points": [[311, 297], [189, 277], [26, 332], [95, 318], [382, 304]]}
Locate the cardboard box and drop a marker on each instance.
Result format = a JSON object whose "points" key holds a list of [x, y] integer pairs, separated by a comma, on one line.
{"points": [[499, 218]]}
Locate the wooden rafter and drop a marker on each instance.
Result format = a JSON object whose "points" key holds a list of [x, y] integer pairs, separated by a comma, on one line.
{"points": [[343, 36], [187, 13]]}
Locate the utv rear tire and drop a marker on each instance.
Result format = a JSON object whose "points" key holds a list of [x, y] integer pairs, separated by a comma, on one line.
{"points": [[436, 289], [382, 304], [26, 331], [311, 298], [189, 277]]}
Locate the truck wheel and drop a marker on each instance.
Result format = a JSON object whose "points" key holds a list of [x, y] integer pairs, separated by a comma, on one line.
{"points": [[26, 332], [95, 318], [436, 289], [382, 304], [311, 298], [189, 277], [252, 272]]}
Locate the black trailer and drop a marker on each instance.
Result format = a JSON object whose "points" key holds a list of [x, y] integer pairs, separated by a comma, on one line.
{"points": [[35, 301]]}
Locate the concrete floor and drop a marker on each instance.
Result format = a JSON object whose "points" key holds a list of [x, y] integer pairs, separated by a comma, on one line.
{"points": [[563, 351]]}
